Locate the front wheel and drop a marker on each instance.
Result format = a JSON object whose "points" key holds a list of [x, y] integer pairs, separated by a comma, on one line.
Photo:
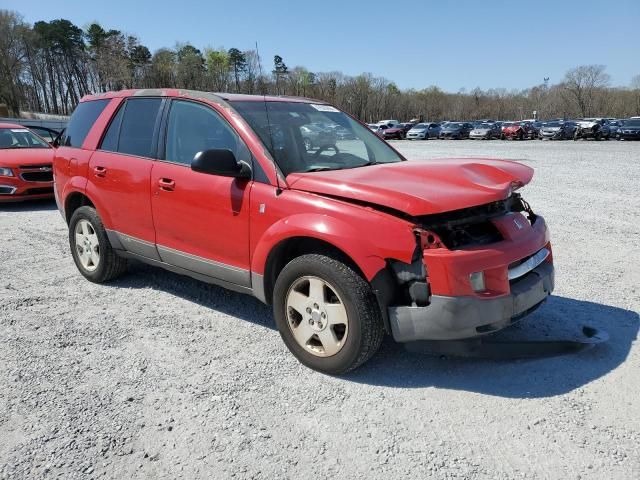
{"points": [[90, 247], [327, 314]]}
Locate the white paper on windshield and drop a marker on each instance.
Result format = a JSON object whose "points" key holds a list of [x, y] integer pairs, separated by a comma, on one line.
{"points": [[325, 108], [19, 130]]}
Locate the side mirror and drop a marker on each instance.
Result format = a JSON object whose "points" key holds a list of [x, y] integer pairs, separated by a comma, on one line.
{"points": [[220, 162]]}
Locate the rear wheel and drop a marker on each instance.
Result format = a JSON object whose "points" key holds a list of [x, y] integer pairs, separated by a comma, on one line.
{"points": [[327, 314], [90, 247]]}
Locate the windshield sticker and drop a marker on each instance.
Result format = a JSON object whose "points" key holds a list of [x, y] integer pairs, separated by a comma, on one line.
{"points": [[19, 130], [325, 108]]}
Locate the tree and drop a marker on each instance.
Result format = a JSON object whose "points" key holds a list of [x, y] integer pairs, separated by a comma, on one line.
{"points": [[238, 62], [280, 70], [217, 62], [190, 68], [12, 57], [582, 84]]}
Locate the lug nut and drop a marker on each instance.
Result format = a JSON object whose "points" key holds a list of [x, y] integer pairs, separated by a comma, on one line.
{"points": [[323, 315], [308, 309], [315, 305]]}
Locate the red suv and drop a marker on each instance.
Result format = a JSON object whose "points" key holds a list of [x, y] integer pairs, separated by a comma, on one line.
{"points": [[347, 240]]}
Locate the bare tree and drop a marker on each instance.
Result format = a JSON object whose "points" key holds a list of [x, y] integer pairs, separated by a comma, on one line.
{"points": [[582, 84]]}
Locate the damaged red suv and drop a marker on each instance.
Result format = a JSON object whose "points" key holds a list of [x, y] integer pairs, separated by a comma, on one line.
{"points": [[25, 165], [347, 240]]}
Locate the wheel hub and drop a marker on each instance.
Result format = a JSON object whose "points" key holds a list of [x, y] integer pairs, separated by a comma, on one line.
{"points": [[317, 318]]}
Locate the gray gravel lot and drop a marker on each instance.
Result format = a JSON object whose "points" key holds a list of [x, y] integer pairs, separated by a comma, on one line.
{"points": [[159, 376]]}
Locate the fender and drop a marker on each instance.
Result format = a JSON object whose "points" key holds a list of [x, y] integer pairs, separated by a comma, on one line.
{"points": [[74, 185], [369, 257]]}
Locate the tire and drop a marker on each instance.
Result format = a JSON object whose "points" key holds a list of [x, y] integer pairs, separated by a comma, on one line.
{"points": [[350, 294], [104, 264]]}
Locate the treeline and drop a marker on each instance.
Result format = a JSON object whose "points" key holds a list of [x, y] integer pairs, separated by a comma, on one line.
{"points": [[47, 67]]}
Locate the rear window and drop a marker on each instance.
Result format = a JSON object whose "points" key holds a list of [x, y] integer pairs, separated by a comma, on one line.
{"points": [[83, 118]]}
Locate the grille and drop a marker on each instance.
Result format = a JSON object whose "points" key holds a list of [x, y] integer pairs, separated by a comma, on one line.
{"points": [[37, 176]]}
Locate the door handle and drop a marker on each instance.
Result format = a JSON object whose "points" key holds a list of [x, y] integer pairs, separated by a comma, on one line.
{"points": [[167, 184], [99, 171]]}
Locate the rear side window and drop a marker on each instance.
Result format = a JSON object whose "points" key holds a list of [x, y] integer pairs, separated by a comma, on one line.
{"points": [[110, 139], [138, 126], [83, 118]]}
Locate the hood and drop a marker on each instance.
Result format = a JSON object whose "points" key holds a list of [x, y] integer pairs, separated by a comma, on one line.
{"points": [[481, 130], [419, 130], [451, 129], [420, 187], [550, 129], [13, 157]]}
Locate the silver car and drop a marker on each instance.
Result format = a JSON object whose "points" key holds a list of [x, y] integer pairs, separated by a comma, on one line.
{"points": [[423, 131], [485, 131]]}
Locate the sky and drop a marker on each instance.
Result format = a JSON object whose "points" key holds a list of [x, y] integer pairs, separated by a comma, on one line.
{"points": [[414, 43]]}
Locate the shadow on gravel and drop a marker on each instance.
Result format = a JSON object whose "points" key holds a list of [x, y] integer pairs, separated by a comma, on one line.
{"points": [[242, 306], [29, 206], [560, 318]]}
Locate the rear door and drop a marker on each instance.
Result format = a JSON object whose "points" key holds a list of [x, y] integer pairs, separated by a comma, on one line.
{"points": [[120, 170], [201, 220]]}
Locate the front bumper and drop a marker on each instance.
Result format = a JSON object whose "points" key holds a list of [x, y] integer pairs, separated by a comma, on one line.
{"points": [[449, 318]]}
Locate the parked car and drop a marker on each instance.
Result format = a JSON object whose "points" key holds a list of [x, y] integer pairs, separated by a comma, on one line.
{"points": [[590, 129], [629, 130], [315, 136], [485, 131], [455, 130], [395, 132], [424, 131], [346, 245], [557, 130], [25, 164], [518, 130]]}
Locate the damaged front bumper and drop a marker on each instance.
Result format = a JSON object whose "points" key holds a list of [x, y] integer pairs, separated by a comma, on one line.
{"points": [[449, 318]]}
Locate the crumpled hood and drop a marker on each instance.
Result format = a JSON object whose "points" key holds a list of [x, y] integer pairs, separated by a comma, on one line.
{"points": [[420, 187]]}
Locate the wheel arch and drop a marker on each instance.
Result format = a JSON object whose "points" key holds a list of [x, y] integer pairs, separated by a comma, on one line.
{"points": [[73, 201]]}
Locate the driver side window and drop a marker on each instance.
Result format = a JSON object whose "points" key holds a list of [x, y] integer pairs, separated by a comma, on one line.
{"points": [[193, 128]]}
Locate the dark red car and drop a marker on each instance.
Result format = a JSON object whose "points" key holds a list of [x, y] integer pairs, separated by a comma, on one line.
{"points": [[396, 132], [25, 165], [348, 241]]}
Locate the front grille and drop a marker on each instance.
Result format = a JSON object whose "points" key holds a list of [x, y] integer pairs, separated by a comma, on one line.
{"points": [[37, 176]]}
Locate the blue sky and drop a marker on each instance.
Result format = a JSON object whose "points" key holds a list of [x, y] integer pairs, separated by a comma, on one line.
{"points": [[416, 43]]}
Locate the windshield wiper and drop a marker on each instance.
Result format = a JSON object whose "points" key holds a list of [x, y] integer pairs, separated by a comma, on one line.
{"points": [[321, 169]]}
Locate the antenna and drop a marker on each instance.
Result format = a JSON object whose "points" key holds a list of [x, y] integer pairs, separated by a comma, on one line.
{"points": [[266, 111]]}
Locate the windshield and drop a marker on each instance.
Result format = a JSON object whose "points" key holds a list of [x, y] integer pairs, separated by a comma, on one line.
{"points": [[421, 126], [290, 132], [20, 138], [631, 123], [552, 124], [453, 125]]}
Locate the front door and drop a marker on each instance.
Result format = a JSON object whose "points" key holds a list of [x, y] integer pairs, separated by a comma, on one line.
{"points": [[201, 220]]}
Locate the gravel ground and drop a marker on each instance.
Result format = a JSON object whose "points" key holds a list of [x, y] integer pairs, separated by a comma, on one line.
{"points": [[159, 376]]}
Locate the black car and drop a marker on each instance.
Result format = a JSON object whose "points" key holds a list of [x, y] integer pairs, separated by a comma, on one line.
{"points": [[455, 130], [557, 130], [629, 130]]}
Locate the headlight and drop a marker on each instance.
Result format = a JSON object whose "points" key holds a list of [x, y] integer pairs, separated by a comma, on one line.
{"points": [[6, 172]]}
